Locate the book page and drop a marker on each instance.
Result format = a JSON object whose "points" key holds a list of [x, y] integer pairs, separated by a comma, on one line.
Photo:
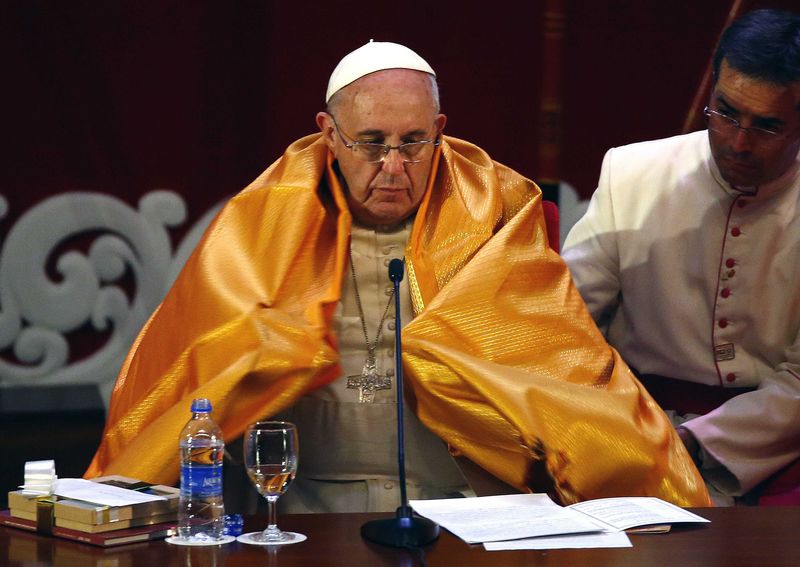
{"points": [[629, 512]]}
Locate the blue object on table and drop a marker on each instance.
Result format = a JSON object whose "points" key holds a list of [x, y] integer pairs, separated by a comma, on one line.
{"points": [[234, 524]]}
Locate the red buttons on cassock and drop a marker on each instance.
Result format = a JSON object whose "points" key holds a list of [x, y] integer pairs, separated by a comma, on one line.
{"points": [[731, 377], [722, 323], [735, 231], [725, 292], [730, 263]]}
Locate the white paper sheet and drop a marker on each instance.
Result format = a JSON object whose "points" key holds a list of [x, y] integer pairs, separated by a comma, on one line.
{"points": [[103, 494], [497, 518], [632, 511], [584, 541]]}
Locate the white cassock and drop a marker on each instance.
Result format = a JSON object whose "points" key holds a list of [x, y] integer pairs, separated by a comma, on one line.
{"points": [[700, 282]]}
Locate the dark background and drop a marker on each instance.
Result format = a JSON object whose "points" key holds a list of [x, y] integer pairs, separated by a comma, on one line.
{"points": [[199, 97], [124, 97]]}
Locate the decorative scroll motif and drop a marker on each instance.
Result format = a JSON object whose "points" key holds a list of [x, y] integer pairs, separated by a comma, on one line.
{"points": [[38, 309]]}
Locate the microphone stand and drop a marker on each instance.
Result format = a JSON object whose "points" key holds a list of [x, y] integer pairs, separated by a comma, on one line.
{"points": [[405, 529]]}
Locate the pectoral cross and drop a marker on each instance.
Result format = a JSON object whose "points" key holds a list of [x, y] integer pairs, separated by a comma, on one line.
{"points": [[368, 382]]}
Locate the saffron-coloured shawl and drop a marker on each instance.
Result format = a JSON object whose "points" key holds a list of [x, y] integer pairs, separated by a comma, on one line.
{"points": [[502, 361]]}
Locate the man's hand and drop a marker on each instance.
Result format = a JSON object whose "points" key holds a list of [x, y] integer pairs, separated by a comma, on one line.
{"points": [[692, 446]]}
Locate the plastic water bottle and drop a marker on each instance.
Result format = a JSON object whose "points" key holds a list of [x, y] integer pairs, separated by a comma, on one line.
{"points": [[201, 515]]}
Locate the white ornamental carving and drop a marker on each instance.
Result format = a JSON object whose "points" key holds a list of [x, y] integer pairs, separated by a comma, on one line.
{"points": [[37, 311]]}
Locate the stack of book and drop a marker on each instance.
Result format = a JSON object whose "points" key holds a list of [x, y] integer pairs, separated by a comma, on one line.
{"points": [[93, 523]]}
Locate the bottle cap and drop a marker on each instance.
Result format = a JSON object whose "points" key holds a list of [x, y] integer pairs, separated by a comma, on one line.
{"points": [[201, 405]]}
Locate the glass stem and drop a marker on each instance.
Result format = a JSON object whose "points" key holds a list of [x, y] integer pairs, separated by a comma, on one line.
{"points": [[272, 515]]}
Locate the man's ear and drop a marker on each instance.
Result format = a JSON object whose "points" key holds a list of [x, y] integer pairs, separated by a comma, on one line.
{"points": [[440, 121], [326, 126]]}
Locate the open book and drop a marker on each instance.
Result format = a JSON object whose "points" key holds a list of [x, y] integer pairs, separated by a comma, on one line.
{"points": [[517, 516]]}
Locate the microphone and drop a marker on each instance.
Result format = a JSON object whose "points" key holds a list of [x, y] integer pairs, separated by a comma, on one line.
{"points": [[405, 529]]}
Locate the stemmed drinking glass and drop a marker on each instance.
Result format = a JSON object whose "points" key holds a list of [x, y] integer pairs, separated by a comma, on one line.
{"points": [[270, 457]]}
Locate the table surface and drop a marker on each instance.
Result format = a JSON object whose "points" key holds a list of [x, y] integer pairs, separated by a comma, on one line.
{"points": [[735, 536]]}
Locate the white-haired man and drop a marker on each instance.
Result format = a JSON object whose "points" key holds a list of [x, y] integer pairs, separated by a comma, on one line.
{"points": [[286, 307]]}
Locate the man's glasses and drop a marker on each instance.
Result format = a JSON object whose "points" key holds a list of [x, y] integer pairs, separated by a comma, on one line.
{"points": [[372, 152], [721, 122]]}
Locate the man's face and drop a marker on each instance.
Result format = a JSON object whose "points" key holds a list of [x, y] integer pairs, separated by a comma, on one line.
{"points": [[744, 158], [388, 107]]}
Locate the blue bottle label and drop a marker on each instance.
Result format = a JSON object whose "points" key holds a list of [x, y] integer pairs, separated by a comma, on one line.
{"points": [[201, 480]]}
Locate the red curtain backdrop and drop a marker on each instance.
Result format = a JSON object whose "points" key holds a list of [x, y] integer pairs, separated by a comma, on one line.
{"points": [[198, 97]]}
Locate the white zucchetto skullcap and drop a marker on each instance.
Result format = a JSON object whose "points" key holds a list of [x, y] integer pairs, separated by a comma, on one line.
{"points": [[371, 57]]}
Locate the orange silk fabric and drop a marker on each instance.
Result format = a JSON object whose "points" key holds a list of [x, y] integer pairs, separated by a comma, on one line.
{"points": [[502, 360]]}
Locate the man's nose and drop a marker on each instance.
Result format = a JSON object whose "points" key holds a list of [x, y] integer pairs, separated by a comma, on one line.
{"points": [[742, 141], [393, 162]]}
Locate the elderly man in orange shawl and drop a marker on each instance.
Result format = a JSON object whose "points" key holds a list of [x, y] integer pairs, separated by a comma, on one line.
{"points": [[286, 307]]}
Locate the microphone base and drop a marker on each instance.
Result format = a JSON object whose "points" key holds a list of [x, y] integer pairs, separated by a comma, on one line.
{"points": [[404, 530]]}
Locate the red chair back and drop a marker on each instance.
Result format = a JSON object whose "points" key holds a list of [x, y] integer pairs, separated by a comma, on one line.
{"points": [[551, 221]]}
